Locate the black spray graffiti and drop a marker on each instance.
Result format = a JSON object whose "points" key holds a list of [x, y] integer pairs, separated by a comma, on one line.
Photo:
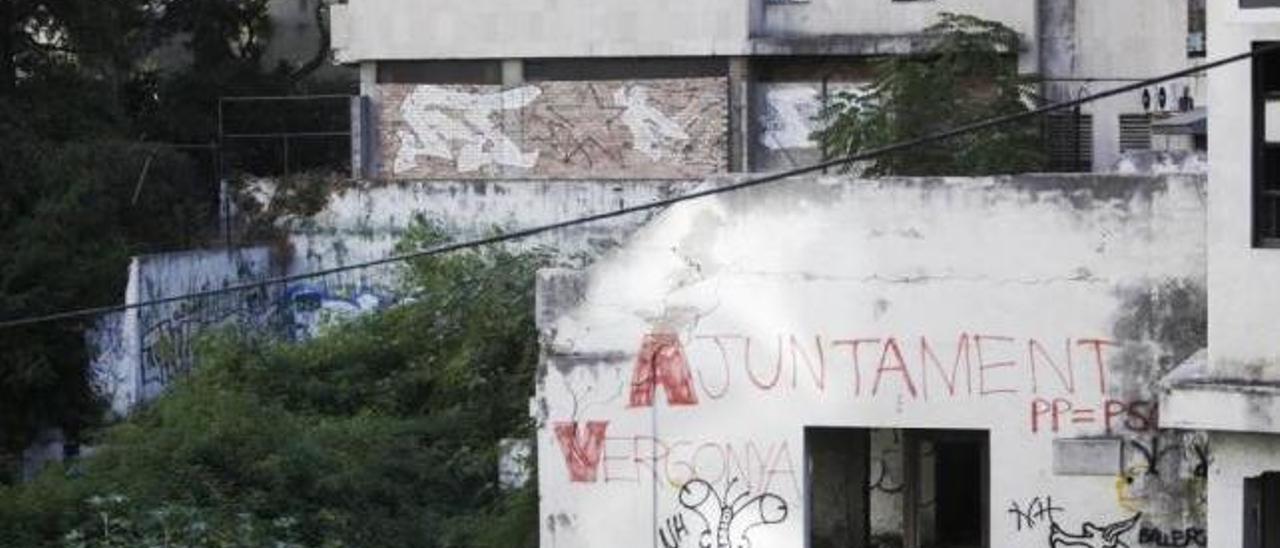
{"points": [[1092, 535], [1153, 453], [1173, 538], [727, 517], [1038, 510]]}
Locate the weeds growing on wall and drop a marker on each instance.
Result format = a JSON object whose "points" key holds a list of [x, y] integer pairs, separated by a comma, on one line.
{"points": [[383, 431], [968, 73]]}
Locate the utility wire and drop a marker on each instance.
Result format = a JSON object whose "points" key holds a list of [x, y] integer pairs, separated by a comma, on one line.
{"points": [[655, 204]]}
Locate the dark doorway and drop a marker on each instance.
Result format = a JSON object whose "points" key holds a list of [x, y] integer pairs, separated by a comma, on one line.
{"points": [[890, 488], [960, 464], [1262, 511]]}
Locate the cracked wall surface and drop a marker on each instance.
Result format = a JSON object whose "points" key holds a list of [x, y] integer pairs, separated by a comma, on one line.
{"points": [[685, 365]]}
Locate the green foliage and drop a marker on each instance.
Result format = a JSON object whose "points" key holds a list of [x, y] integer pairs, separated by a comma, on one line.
{"points": [[83, 84], [969, 73], [383, 431], [68, 224], [113, 522]]}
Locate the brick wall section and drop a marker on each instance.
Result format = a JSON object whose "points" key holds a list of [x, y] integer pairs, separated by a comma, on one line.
{"points": [[668, 128]]}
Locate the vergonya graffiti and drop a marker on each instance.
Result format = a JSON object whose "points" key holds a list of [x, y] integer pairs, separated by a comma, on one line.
{"points": [[592, 455]]}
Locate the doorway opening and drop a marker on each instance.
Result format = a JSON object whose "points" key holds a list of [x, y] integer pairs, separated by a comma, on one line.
{"points": [[897, 488]]}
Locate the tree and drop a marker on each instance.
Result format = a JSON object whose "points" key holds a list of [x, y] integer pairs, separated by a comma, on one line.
{"points": [[968, 73], [384, 431], [84, 98]]}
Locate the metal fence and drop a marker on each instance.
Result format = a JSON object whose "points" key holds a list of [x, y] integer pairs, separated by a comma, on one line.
{"points": [[280, 135]]}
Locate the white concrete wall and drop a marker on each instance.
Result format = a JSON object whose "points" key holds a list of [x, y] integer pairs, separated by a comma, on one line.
{"points": [[823, 302], [140, 351], [1244, 338], [826, 17], [136, 354], [1235, 458], [441, 29], [1116, 43]]}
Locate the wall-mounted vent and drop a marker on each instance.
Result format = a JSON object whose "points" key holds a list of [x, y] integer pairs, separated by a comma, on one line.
{"points": [[1135, 132], [1069, 142]]}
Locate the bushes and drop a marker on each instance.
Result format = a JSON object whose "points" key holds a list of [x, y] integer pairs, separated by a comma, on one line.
{"points": [[381, 432]]}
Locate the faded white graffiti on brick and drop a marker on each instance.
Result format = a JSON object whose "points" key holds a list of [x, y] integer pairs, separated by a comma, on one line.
{"points": [[653, 133], [459, 126], [791, 110], [658, 128]]}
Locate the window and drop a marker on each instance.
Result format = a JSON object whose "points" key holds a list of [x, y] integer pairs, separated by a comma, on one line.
{"points": [[900, 488], [624, 68], [1196, 28], [1262, 511], [486, 72], [1248, 4], [1068, 137], [1266, 150]]}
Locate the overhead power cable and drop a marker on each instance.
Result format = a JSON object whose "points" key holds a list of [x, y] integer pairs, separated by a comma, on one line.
{"points": [[655, 204]]}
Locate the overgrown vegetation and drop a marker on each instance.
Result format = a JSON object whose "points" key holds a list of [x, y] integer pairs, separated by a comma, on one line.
{"points": [[969, 73], [92, 95], [382, 433]]}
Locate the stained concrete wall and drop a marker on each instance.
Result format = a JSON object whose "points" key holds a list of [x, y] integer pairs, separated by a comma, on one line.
{"points": [[141, 351], [666, 128], [683, 368], [439, 29], [138, 352], [823, 18]]}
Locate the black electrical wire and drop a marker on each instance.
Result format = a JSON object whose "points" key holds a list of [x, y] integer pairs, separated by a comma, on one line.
{"points": [[655, 204]]}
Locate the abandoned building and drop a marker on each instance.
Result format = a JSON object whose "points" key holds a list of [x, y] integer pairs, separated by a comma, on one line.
{"points": [[1059, 360], [554, 86]]}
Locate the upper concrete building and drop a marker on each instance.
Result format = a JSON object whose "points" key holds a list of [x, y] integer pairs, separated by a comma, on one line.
{"points": [[677, 89], [1233, 389]]}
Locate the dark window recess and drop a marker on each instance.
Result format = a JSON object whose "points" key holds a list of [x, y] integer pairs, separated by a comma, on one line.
{"points": [[794, 68], [1135, 132], [1068, 138], [477, 72], [624, 68], [1262, 511], [1196, 29], [861, 482], [1266, 155], [1249, 4]]}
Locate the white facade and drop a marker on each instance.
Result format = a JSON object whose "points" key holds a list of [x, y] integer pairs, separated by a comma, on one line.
{"points": [[1244, 295], [1114, 44], [691, 367], [1232, 388], [375, 30], [1078, 46]]}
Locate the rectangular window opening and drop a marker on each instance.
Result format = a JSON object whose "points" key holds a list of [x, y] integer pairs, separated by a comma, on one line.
{"points": [[1266, 149], [897, 488], [1262, 511]]}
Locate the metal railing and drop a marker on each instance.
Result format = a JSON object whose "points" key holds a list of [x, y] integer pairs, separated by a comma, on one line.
{"points": [[279, 135]]}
